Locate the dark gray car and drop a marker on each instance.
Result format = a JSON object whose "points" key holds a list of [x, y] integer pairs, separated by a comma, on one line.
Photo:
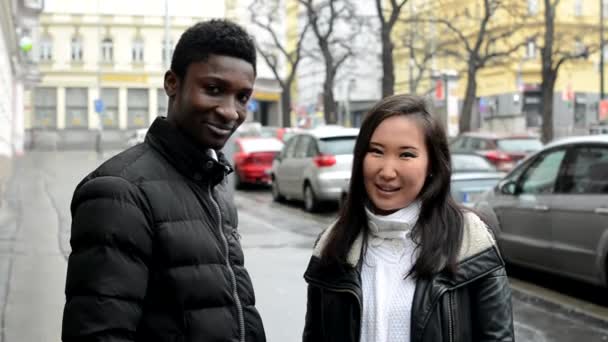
{"points": [[551, 212]]}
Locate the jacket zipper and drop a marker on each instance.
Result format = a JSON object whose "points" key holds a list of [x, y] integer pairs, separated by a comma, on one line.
{"points": [[450, 318], [237, 300]]}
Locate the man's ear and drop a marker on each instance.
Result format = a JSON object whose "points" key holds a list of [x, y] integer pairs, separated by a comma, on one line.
{"points": [[171, 83]]}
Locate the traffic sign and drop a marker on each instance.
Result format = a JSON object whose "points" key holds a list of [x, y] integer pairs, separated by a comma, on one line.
{"points": [[99, 106]]}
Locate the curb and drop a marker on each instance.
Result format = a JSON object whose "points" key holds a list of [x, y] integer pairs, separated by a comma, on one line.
{"points": [[529, 296]]}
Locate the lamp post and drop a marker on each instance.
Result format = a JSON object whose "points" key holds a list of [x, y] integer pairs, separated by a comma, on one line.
{"points": [[602, 50]]}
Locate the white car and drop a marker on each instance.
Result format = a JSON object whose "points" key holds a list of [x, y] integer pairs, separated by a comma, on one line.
{"points": [[314, 166]]}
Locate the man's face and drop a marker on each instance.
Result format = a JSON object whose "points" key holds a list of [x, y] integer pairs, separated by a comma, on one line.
{"points": [[210, 102]]}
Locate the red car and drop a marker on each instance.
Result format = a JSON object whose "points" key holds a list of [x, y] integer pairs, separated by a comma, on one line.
{"points": [[503, 151], [253, 159]]}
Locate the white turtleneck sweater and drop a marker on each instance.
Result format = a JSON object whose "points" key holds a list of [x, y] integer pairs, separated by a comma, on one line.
{"points": [[387, 293]]}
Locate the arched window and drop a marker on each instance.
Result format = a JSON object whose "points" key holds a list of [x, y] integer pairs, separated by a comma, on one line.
{"points": [[107, 50], [76, 49]]}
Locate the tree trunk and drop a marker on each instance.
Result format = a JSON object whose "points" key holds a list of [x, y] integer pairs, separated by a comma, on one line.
{"points": [[547, 91], [329, 104], [388, 66], [286, 107], [464, 123]]}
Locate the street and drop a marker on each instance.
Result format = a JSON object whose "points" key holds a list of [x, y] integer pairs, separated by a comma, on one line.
{"points": [[277, 240]]}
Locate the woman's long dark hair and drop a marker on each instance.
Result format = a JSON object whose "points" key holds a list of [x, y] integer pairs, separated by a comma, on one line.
{"points": [[439, 230]]}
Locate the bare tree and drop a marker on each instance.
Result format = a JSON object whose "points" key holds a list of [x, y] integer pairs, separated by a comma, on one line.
{"points": [[422, 51], [474, 41], [388, 19], [559, 47], [264, 15], [323, 18]]}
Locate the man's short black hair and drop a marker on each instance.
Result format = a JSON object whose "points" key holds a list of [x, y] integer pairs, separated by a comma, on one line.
{"points": [[213, 37]]}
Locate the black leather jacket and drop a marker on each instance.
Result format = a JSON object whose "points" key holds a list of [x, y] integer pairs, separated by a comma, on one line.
{"points": [[472, 305]]}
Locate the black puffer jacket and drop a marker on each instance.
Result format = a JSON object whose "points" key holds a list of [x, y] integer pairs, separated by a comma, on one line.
{"points": [[155, 250], [472, 306]]}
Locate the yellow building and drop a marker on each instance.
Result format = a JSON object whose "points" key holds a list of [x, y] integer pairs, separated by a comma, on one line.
{"points": [[508, 90], [102, 50]]}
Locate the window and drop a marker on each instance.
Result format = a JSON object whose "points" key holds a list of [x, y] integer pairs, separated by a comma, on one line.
{"points": [[162, 101], [289, 151], [45, 108], [76, 108], [585, 171], [137, 108], [579, 47], [532, 7], [541, 177], [107, 50], [76, 49], [164, 49], [110, 113], [337, 145], [137, 53], [302, 147], [578, 8], [531, 48], [46, 48]]}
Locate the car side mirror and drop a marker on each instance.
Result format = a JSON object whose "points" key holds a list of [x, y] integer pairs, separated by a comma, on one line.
{"points": [[508, 187]]}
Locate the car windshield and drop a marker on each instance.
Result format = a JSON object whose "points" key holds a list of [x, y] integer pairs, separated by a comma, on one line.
{"points": [[467, 163], [519, 145], [337, 145]]}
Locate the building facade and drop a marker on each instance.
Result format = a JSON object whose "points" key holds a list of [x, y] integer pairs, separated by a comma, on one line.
{"points": [[508, 92], [18, 69]]}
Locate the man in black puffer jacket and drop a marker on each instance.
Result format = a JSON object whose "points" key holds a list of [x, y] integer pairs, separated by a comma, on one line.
{"points": [[155, 249]]}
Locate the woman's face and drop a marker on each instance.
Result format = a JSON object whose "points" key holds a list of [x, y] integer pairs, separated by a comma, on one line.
{"points": [[396, 164]]}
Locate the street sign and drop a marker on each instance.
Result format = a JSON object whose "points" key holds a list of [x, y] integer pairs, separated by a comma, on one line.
{"points": [[99, 106], [253, 105], [603, 110]]}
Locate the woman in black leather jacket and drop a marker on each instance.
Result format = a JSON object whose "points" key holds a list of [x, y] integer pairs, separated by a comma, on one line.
{"points": [[404, 262]]}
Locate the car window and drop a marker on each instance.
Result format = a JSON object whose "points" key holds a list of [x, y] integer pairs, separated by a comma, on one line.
{"points": [[312, 149], [337, 145], [458, 143], [585, 171], [541, 177], [474, 144], [302, 147], [288, 152]]}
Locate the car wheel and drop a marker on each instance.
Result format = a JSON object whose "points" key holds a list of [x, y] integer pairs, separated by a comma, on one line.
{"points": [[276, 193], [311, 204]]}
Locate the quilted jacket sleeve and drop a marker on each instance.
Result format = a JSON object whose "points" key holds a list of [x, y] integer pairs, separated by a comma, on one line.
{"points": [[107, 272], [491, 298]]}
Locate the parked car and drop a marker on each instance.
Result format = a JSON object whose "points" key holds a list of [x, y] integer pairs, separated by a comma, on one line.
{"points": [[551, 212], [253, 159], [472, 175], [503, 151], [314, 165], [137, 137]]}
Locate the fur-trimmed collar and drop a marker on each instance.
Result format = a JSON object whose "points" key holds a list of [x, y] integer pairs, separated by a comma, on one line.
{"points": [[476, 238]]}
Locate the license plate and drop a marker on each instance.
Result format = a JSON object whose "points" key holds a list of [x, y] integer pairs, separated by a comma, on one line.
{"points": [[471, 197]]}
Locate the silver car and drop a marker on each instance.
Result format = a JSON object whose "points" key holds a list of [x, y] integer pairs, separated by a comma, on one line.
{"points": [[551, 212], [314, 166]]}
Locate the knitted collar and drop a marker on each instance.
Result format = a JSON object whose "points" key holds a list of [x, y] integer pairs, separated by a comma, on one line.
{"points": [[395, 225]]}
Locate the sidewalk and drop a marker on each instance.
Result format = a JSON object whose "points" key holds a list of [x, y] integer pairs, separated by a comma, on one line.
{"points": [[32, 265]]}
